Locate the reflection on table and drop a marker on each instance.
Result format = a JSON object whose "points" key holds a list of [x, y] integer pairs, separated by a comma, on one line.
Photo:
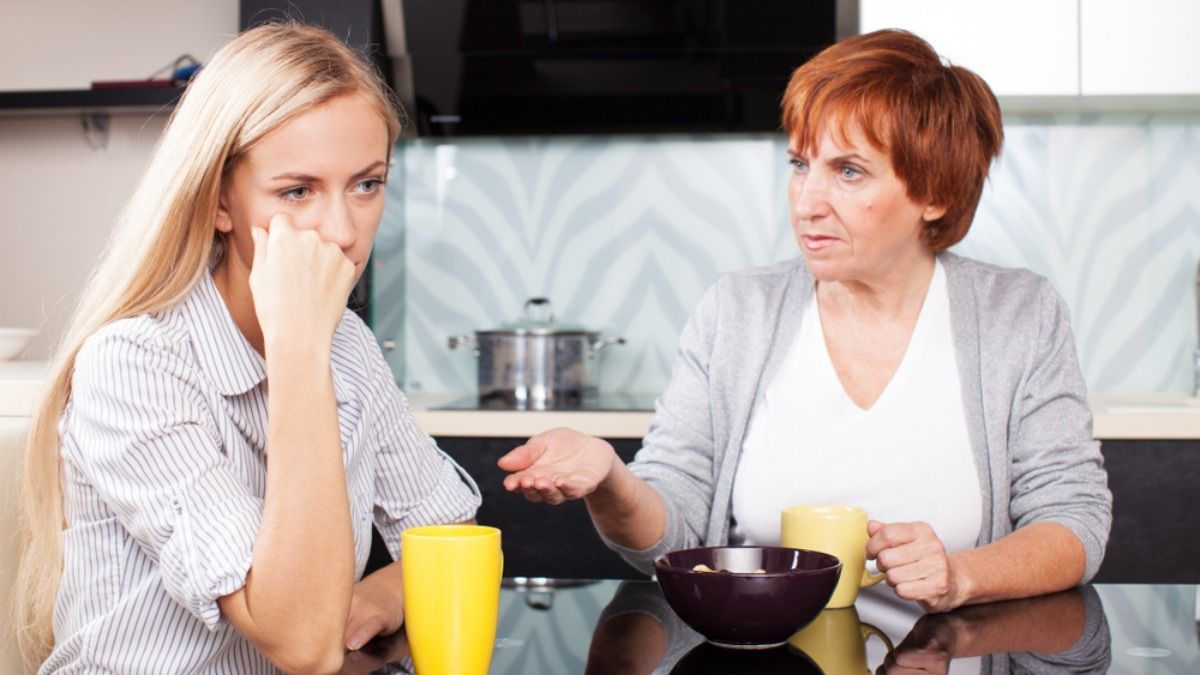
{"points": [[610, 627]]}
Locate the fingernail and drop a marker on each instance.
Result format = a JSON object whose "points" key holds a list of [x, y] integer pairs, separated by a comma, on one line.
{"points": [[354, 645]]}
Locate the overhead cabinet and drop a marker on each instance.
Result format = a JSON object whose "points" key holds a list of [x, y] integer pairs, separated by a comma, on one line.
{"points": [[1057, 48], [1020, 47], [1140, 48]]}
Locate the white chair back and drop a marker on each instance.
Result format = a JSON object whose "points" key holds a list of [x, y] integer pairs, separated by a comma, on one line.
{"points": [[12, 446]]}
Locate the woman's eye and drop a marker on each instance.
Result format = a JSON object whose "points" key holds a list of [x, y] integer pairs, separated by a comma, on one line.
{"points": [[850, 172], [798, 165], [369, 185], [297, 193]]}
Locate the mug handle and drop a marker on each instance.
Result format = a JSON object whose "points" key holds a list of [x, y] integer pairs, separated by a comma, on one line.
{"points": [[867, 630], [869, 579]]}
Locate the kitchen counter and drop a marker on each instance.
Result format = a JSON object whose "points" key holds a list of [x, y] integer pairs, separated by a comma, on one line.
{"points": [[1117, 416]]}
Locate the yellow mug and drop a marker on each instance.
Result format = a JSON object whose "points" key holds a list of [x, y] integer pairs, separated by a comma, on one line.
{"points": [[839, 531], [451, 597], [837, 641]]}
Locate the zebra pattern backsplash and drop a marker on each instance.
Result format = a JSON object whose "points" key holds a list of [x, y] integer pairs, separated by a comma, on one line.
{"points": [[623, 234]]}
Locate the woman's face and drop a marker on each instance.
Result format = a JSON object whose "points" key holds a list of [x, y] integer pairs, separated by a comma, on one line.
{"points": [[324, 168], [851, 214]]}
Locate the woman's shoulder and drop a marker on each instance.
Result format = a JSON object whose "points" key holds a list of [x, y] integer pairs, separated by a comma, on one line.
{"points": [[158, 332], [988, 278], [1006, 299], [126, 354], [755, 285]]}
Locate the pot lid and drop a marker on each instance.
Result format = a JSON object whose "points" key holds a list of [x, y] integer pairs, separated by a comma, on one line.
{"points": [[538, 319]]}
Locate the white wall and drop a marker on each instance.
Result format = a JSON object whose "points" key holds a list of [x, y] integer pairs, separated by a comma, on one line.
{"points": [[58, 196]]}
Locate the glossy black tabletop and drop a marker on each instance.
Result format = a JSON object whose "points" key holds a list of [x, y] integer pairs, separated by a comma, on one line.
{"points": [[609, 627]]}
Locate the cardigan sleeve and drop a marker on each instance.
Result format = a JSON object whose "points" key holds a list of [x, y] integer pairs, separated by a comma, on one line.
{"points": [[1056, 469]]}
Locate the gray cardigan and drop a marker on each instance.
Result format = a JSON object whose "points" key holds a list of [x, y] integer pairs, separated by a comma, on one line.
{"points": [[1025, 401]]}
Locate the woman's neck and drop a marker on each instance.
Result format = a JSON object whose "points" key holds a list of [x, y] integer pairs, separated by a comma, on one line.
{"points": [[895, 293], [234, 287]]}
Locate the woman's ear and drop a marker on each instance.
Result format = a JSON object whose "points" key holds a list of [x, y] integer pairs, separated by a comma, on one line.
{"points": [[932, 213], [224, 222]]}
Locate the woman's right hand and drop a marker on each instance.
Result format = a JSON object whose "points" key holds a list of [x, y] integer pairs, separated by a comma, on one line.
{"points": [[299, 283], [558, 465]]}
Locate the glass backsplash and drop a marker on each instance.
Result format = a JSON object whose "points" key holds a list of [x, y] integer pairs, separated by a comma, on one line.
{"points": [[623, 234]]}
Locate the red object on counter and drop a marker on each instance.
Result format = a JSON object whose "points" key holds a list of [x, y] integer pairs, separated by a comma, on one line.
{"points": [[133, 84]]}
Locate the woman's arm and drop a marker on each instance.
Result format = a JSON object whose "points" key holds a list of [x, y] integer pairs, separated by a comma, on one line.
{"points": [[293, 607], [294, 604], [563, 464], [663, 500], [1034, 560], [1037, 559]]}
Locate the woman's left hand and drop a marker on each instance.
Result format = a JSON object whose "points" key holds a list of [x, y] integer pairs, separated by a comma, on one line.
{"points": [[376, 608], [916, 564]]}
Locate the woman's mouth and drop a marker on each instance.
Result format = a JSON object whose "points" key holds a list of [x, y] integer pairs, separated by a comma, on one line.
{"points": [[817, 242]]}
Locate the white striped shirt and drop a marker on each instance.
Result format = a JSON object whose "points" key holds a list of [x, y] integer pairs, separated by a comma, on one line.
{"points": [[164, 470]]}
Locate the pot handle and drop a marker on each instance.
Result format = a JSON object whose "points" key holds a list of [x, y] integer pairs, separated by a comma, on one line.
{"points": [[539, 302], [464, 341], [605, 342]]}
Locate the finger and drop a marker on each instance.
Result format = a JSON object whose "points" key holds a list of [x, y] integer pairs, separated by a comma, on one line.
{"points": [[517, 459], [873, 526], [888, 536], [370, 628], [923, 591], [898, 556], [922, 659], [259, 237], [902, 574]]}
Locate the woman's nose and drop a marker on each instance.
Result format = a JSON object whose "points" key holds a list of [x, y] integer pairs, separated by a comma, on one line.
{"points": [[809, 196], [337, 224]]}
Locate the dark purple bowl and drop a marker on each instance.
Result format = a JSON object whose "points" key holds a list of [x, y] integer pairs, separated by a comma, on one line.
{"points": [[740, 608]]}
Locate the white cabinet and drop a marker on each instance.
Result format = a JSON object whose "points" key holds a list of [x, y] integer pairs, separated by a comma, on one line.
{"points": [[1148, 47], [1020, 47]]}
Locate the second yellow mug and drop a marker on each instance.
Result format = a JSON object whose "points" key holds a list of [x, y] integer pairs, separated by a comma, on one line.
{"points": [[839, 531], [451, 597], [837, 641]]}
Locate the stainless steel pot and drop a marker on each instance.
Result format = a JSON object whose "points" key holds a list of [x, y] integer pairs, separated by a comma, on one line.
{"points": [[536, 363]]}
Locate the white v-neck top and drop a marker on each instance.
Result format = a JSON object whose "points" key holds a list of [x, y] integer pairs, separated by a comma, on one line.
{"points": [[906, 458]]}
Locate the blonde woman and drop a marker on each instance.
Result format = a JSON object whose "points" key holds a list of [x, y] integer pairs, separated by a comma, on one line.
{"points": [[220, 433]]}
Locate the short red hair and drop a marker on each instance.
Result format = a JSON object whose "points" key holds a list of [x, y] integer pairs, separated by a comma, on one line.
{"points": [[940, 124]]}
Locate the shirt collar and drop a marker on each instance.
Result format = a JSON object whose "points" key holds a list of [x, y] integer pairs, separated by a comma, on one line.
{"points": [[221, 349]]}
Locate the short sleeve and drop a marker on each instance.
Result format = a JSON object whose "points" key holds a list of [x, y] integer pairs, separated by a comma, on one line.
{"points": [[139, 430], [416, 483]]}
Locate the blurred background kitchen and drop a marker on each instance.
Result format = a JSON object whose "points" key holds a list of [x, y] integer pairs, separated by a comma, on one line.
{"points": [[1098, 189]]}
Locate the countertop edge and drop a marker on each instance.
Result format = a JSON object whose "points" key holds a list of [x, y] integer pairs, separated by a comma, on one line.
{"points": [[1137, 416]]}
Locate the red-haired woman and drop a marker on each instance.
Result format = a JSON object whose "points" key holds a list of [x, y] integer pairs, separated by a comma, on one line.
{"points": [[877, 369]]}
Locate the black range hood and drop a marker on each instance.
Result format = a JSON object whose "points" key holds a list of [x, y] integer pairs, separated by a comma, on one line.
{"points": [[503, 67]]}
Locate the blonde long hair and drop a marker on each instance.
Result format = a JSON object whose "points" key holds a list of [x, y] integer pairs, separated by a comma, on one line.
{"points": [[165, 240]]}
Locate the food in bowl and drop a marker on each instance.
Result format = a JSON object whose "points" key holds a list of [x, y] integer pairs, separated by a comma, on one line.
{"points": [[705, 568], [756, 597]]}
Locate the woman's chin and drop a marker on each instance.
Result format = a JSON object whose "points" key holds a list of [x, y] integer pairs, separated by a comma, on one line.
{"points": [[823, 269]]}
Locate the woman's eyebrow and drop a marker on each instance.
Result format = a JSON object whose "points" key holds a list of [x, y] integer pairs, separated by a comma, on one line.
{"points": [[850, 157], [297, 176], [374, 167]]}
